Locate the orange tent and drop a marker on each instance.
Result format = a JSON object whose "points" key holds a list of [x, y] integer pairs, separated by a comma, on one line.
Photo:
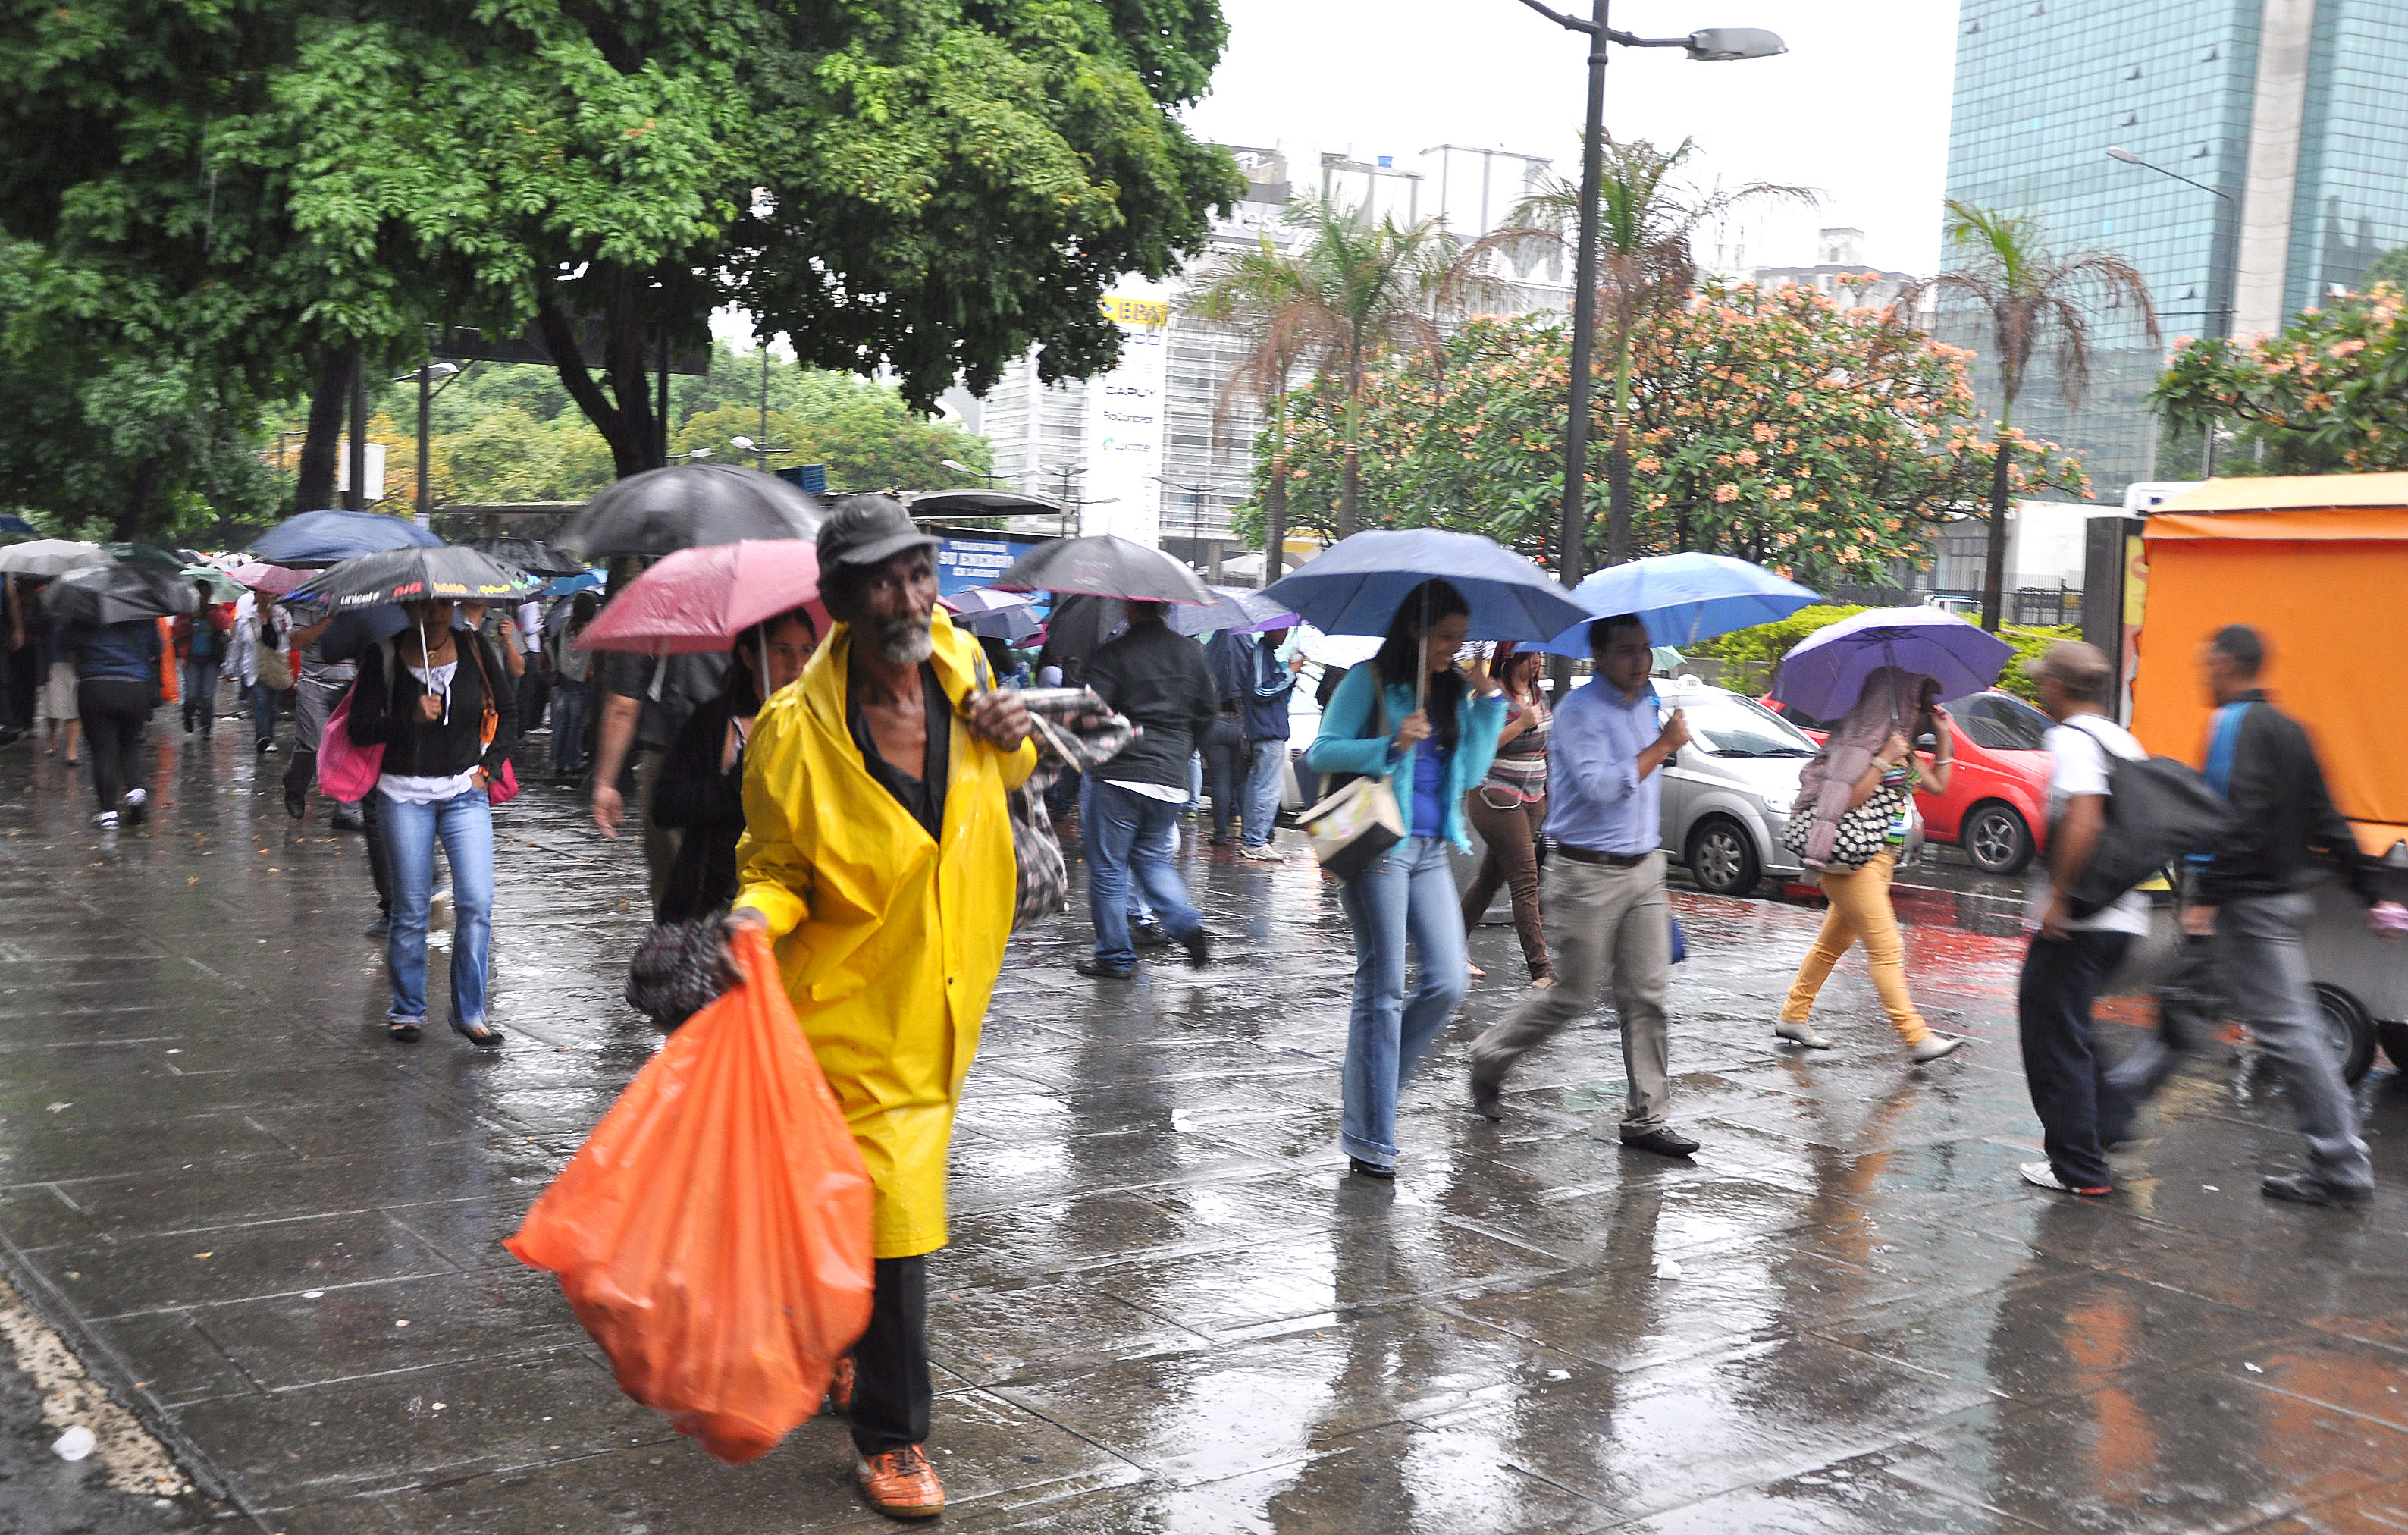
{"points": [[2319, 564]]}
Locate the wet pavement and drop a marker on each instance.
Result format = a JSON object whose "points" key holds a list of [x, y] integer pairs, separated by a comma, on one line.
{"points": [[1165, 1307]]}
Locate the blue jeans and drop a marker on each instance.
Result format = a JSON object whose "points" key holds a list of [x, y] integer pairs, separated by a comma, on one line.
{"points": [[200, 689], [1408, 893], [571, 706], [465, 822], [1126, 835], [262, 712], [1262, 790]]}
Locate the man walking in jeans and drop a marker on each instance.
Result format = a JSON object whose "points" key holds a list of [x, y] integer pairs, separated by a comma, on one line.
{"points": [[1605, 906], [1158, 678], [2081, 1113], [2254, 896]]}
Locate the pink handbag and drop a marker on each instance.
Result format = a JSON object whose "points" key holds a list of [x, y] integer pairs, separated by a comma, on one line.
{"points": [[345, 771]]}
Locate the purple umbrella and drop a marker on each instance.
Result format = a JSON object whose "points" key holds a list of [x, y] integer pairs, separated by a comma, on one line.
{"points": [[1823, 673]]}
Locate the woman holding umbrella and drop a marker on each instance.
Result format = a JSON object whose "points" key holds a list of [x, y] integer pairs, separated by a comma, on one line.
{"points": [[1415, 717]]}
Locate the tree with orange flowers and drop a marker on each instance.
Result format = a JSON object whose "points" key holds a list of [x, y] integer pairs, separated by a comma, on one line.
{"points": [[2322, 396]]}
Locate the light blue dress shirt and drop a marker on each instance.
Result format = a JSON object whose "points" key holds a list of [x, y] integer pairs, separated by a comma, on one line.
{"points": [[1595, 799]]}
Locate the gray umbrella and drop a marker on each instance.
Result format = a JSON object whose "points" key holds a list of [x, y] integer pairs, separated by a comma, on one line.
{"points": [[532, 555], [1104, 566], [661, 512], [49, 557], [115, 594]]}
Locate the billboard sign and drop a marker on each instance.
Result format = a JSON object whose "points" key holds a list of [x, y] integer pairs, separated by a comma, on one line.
{"points": [[1125, 421]]}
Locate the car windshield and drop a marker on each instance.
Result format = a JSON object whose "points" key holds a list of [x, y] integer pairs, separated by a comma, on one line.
{"points": [[2001, 722], [1728, 726]]}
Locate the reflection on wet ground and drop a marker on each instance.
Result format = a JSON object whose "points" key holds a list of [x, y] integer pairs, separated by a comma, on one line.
{"points": [[1164, 1308]]}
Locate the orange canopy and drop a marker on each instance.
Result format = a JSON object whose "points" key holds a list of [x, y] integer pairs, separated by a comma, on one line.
{"points": [[2319, 565]]}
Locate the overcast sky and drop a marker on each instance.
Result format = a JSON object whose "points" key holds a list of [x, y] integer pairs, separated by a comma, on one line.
{"points": [[1857, 108]]}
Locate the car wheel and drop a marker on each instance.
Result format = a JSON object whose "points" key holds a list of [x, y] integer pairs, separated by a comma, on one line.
{"points": [[1722, 858], [2351, 1032], [1994, 836], [2395, 1042]]}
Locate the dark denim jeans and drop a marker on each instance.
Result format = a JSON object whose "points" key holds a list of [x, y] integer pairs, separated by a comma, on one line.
{"points": [[2081, 1112], [1126, 836]]}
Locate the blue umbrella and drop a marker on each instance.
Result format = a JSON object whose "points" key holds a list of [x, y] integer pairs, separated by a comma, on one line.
{"points": [[1823, 673], [563, 586], [1355, 587], [17, 526], [330, 538], [1238, 608], [1685, 598]]}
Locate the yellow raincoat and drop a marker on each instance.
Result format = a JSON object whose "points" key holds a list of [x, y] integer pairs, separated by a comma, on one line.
{"points": [[890, 947]]}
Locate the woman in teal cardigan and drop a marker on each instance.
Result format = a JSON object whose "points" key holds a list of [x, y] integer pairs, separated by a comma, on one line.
{"points": [[1433, 752]]}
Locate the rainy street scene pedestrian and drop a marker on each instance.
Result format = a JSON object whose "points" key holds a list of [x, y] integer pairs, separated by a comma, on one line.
{"points": [[766, 771]]}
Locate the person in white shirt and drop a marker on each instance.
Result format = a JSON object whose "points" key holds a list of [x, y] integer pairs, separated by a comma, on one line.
{"points": [[2081, 1113]]}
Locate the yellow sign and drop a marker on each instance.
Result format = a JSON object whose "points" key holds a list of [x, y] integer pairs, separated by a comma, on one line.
{"points": [[1137, 311]]}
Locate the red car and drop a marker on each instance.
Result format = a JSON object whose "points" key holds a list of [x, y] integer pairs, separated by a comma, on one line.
{"points": [[1996, 804]]}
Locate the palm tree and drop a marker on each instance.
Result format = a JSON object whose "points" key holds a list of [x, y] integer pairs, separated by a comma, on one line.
{"points": [[2032, 295], [1257, 290], [1645, 222]]}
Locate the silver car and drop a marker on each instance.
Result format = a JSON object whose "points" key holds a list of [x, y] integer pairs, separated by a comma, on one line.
{"points": [[1727, 794]]}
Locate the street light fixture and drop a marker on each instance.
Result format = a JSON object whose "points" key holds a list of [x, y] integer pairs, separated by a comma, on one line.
{"points": [[959, 468], [1709, 45], [426, 377], [691, 453], [2221, 314], [758, 450]]}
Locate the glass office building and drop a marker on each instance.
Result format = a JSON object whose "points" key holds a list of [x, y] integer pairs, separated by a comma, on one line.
{"points": [[2290, 114]]}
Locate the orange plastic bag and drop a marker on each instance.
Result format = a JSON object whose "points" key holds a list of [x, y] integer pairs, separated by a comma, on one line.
{"points": [[713, 1231]]}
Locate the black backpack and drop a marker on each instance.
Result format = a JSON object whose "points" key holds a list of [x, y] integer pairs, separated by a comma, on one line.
{"points": [[2159, 812]]}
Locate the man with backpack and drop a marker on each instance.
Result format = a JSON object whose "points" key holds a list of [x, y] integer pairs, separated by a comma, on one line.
{"points": [[2081, 1113], [2254, 896]]}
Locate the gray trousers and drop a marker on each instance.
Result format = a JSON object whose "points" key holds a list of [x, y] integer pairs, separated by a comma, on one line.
{"points": [[1609, 929], [2264, 965]]}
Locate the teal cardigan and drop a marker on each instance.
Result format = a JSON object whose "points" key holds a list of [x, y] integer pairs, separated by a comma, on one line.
{"points": [[1347, 745]]}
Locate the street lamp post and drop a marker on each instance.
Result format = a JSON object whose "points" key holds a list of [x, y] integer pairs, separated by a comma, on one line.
{"points": [[760, 450], [1196, 494], [2221, 314], [1707, 45], [426, 393]]}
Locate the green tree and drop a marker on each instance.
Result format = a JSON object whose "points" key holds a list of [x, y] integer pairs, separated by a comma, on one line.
{"points": [[1262, 291], [2322, 395], [2032, 297], [2390, 267], [864, 434], [1646, 220]]}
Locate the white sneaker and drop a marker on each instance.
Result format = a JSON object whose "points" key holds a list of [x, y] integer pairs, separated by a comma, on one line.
{"points": [[105, 820], [2041, 1175]]}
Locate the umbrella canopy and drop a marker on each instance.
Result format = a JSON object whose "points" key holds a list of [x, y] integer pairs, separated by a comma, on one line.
{"points": [[222, 588], [146, 555], [17, 527], [703, 599], [49, 557], [1355, 586], [1104, 566], [330, 538], [1237, 607], [414, 575], [275, 580], [1335, 650], [1683, 599], [1823, 673], [688, 506], [116, 593], [532, 555], [1078, 628], [563, 586], [1012, 625], [351, 634], [986, 599]]}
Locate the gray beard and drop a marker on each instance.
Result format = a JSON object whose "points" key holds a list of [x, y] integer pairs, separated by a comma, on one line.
{"points": [[905, 643]]}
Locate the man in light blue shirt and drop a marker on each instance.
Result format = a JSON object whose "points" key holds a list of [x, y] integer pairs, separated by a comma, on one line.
{"points": [[1607, 917]]}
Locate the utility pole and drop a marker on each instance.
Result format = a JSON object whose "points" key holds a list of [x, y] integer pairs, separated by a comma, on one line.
{"points": [[355, 496]]}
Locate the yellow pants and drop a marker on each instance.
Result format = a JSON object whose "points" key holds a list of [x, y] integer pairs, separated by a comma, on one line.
{"points": [[1860, 913]]}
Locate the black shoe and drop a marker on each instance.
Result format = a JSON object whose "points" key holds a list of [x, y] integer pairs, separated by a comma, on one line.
{"points": [[1101, 971], [1199, 945], [1485, 1099], [1662, 1142], [2306, 1188], [1371, 1169], [346, 821], [1149, 935], [379, 929], [294, 804]]}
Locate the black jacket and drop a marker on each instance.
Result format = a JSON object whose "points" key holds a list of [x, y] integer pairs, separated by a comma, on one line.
{"points": [[708, 805], [2287, 819], [387, 715], [1160, 681]]}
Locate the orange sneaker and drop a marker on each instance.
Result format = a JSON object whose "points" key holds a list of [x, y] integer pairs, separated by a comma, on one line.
{"points": [[839, 1391], [901, 1484]]}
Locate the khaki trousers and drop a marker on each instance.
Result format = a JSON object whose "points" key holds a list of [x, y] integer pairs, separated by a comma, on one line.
{"points": [[1611, 928], [1859, 914]]}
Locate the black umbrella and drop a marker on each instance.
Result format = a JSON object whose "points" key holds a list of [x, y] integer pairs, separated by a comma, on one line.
{"points": [[661, 512], [115, 594], [1077, 628], [1104, 566], [453, 573], [532, 555]]}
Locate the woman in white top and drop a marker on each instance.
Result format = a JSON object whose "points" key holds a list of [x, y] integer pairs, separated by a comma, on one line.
{"points": [[439, 702]]}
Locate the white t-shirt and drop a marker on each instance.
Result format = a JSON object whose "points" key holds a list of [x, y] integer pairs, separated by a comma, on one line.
{"points": [[2078, 766]]}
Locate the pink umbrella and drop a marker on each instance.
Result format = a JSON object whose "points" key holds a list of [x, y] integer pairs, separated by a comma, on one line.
{"points": [[704, 598], [274, 580]]}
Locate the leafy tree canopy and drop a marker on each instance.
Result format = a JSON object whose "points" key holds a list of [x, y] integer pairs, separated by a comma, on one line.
{"points": [[1771, 423], [2322, 395]]}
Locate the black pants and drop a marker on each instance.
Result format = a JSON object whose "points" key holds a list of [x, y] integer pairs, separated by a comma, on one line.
{"points": [[114, 714], [891, 1390], [1225, 762], [535, 691], [2081, 1112]]}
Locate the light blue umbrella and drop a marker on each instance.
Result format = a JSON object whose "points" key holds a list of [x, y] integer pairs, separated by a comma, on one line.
{"points": [[562, 586], [1240, 608], [1824, 672], [1683, 599], [1355, 586]]}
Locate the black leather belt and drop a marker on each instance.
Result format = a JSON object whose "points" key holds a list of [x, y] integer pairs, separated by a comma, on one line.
{"points": [[1612, 860]]}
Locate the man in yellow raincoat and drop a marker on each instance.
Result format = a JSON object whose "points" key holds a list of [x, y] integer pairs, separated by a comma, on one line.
{"points": [[878, 854]]}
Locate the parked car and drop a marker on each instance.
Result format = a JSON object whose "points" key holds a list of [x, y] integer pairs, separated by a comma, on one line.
{"points": [[1996, 804]]}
